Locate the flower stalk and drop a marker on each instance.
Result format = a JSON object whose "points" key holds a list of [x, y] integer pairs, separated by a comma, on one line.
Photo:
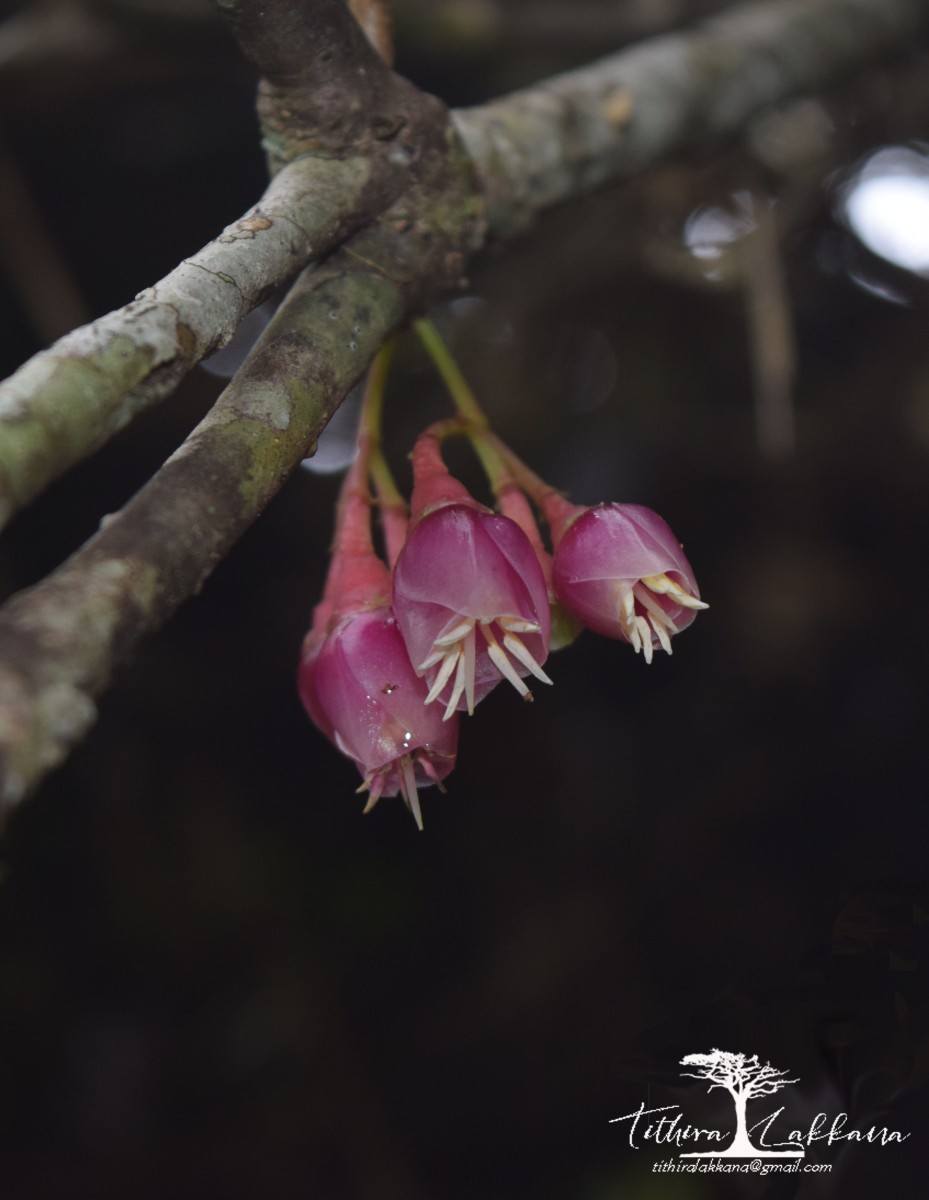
{"points": [[393, 508], [355, 677]]}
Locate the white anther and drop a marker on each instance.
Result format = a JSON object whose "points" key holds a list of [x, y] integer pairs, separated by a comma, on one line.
{"points": [[521, 652], [445, 671], [469, 671], [658, 614], [519, 625], [626, 615], [645, 632], [434, 657], [663, 585], [501, 662], [408, 789], [632, 633], [456, 634], [459, 687], [662, 636]]}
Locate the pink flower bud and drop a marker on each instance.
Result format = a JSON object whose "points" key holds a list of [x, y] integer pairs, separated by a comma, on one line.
{"points": [[471, 602], [358, 686], [620, 570]]}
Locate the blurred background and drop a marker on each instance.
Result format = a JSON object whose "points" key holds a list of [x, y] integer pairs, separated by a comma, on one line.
{"points": [[217, 977]]}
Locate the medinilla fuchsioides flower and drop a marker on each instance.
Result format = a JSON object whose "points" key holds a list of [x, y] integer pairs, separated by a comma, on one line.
{"points": [[472, 596], [621, 571], [358, 685], [355, 677], [468, 591]]}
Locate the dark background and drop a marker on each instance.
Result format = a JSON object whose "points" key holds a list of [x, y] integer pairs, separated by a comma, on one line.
{"points": [[218, 978]]}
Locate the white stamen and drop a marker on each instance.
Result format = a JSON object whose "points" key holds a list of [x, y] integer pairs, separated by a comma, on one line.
{"points": [[519, 625], [434, 657], [626, 615], [662, 636], [630, 625], [469, 670], [408, 789], [445, 671], [374, 783], [645, 631], [459, 687], [658, 614], [455, 634], [501, 662], [521, 652], [663, 585], [455, 648]]}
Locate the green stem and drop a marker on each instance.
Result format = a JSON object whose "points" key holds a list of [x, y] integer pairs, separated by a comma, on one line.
{"points": [[369, 429], [498, 473], [393, 507], [369, 423], [473, 423], [388, 494], [505, 472], [495, 468], [395, 514], [534, 485], [459, 389], [554, 505]]}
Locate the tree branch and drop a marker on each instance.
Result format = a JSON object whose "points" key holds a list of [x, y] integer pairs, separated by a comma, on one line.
{"points": [[414, 213], [607, 121], [70, 399]]}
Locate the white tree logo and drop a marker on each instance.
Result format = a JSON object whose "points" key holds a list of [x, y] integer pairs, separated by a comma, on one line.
{"points": [[745, 1078]]}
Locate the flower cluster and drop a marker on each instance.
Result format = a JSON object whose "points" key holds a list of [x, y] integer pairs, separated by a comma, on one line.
{"points": [[468, 598]]}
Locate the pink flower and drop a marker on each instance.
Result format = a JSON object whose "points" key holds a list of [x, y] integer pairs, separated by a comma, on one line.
{"points": [[471, 602], [355, 677], [358, 686], [621, 571]]}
